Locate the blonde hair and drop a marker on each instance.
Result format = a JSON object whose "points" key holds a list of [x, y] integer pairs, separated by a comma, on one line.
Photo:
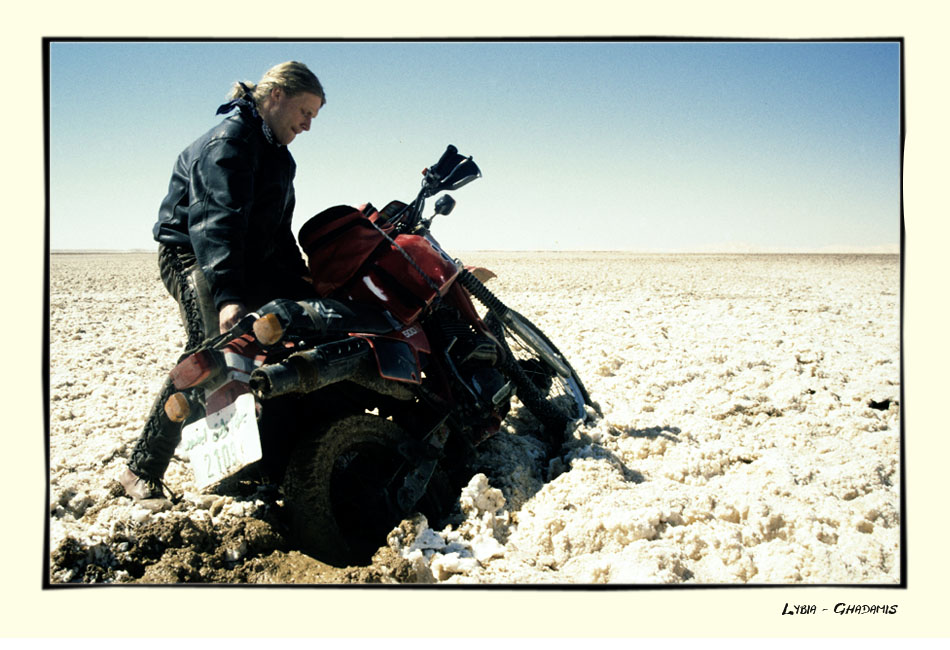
{"points": [[292, 77]]}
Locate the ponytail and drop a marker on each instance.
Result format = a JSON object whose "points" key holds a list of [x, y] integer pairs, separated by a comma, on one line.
{"points": [[241, 89], [292, 77]]}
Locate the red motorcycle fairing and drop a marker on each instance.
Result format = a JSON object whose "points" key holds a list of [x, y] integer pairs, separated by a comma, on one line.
{"points": [[397, 354]]}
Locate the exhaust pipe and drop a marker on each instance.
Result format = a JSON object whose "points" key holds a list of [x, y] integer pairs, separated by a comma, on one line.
{"points": [[310, 370]]}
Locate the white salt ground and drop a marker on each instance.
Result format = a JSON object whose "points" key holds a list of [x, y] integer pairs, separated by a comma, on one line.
{"points": [[751, 427]]}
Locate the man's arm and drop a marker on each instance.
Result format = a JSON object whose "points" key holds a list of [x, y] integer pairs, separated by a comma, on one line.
{"points": [[222, 186]]}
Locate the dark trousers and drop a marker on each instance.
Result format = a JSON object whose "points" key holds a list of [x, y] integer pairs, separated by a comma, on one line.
{"points": [[184, 280]]}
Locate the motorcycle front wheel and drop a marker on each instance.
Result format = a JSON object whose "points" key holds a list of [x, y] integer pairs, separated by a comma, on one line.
{"points": [[340, 488], [544, 380]]}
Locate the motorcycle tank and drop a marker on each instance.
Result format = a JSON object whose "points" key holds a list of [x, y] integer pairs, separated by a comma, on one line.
{"points": [[394, 282]]}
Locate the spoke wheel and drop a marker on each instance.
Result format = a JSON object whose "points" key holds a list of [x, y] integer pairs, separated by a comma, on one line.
{"points": [[546, 383]]}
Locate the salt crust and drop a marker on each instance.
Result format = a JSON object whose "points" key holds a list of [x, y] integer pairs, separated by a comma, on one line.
{"points": [[751, 424]]}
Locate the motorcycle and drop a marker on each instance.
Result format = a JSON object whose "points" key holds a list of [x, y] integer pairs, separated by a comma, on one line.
{"points": [[368, 403]]}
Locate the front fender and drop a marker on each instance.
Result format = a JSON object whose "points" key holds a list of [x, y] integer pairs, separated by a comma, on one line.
{"points": [[481, 273]]}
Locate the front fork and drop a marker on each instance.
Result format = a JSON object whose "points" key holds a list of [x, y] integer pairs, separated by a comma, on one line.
{"points": [[461, 292], [511, 320]]}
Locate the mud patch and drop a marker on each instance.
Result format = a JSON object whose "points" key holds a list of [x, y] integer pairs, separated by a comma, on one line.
{"points": [[200, 541]]}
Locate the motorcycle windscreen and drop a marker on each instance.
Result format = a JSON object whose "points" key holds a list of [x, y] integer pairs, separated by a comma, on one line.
{"points": [[396, 360]]}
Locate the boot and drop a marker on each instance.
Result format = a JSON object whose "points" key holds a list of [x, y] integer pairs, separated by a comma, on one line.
{"points": [[139, 488]]}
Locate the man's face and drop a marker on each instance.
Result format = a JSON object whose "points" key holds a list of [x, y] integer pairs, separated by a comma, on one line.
{"points": [[287, 116]]}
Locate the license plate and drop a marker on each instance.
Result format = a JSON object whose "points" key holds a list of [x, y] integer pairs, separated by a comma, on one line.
{"points": [[223, 442]]}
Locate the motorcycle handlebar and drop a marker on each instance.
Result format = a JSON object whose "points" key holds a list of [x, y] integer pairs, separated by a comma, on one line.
{"points": [[451, 172]]}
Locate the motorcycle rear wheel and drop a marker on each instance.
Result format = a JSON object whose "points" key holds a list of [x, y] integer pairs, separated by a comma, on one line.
{"points": [[340, 489], [544, 380]]}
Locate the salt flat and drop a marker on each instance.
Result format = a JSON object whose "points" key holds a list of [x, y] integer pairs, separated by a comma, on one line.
{"points": [[751, 432]]}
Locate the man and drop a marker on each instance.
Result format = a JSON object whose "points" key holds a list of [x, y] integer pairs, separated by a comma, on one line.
{"points": [[224, 230]]}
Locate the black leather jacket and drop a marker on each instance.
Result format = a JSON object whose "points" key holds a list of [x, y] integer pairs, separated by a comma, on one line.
{"points": [[230, 201]]}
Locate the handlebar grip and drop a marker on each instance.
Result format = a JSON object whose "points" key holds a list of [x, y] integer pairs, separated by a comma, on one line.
{"points": [[447, 162]]}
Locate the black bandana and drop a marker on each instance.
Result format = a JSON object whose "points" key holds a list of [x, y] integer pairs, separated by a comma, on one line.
{"points": [[245, 102]]}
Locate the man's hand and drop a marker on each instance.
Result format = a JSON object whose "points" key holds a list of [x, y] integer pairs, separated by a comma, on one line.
{"points": [[229, 314]]}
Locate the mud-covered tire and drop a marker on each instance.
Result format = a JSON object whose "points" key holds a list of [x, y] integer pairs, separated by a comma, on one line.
{"points": [[340, 491], [555, 398]]}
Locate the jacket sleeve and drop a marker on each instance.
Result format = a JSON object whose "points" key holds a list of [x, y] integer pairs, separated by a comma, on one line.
{"points": [[288, 252], [222, 191]]}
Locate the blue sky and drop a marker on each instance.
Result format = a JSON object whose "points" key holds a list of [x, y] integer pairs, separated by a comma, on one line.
{"points": [[647, 146]]}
